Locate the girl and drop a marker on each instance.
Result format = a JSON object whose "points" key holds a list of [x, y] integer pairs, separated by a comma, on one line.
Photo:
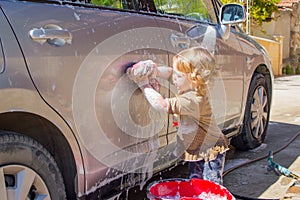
{"points": [[200, 140]]}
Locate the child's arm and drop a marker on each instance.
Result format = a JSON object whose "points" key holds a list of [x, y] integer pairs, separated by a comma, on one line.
{"points": [[153, 97], [149, 68], [164, 72]]}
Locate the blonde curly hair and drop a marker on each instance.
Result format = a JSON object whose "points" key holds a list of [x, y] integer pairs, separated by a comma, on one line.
{"points": [[199, 65]]}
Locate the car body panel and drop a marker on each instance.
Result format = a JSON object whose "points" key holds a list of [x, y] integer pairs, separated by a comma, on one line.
{"points": [[16, 84], [255, 55]]}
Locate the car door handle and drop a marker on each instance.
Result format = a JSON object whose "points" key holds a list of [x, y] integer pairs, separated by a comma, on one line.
{"points": [[180, 41], [54, 35]]}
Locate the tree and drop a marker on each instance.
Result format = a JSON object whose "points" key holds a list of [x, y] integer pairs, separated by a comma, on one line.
{"points": [[262, 10]]}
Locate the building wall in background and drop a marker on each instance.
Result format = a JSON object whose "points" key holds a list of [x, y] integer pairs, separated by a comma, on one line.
{"points": [[287, 24]]}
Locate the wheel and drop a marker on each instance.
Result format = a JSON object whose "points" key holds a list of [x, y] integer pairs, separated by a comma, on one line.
{"points": [[27, 170], [256, 117]]}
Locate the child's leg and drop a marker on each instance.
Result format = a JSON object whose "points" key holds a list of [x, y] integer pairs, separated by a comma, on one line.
{"points": [[213, 169], [196, 169]]}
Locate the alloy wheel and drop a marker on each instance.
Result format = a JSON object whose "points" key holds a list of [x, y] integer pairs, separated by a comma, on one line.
{"points": [[21, 182], [259, 112]]}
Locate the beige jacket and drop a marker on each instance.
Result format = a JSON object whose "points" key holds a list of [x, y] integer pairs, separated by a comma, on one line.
{"points": [[197, 130]]}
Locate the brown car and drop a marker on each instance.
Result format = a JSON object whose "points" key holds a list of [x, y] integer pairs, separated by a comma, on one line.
{"points": [[72, 123]]}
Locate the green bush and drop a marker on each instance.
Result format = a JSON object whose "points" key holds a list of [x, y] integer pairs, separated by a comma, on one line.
{"points": [[289, 69], [283, 70], [298, 70]]}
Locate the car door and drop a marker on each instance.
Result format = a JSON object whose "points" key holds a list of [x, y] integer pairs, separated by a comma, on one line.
{"points": [[11, 60], [195, 23], [77, 57]]}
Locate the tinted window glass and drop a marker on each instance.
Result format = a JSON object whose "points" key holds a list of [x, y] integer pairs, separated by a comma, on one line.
{"points": [[192, 9], [202, 10], [108, 3], [137, 5]]}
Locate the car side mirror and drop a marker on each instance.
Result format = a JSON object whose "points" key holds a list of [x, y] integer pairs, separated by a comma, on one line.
{"points": [[232, 14]]}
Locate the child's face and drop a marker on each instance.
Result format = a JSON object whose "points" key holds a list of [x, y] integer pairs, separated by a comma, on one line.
{"points": [[180, 80]]}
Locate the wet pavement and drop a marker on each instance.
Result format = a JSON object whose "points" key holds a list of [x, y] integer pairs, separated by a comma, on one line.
{"points": [[253, 180]]}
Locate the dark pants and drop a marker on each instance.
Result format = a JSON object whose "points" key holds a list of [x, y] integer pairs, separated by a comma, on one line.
{"points": [[211, 170]]}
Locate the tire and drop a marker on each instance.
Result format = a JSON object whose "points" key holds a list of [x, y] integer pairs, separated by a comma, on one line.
{"points": [[29, 171], [257, 113]]}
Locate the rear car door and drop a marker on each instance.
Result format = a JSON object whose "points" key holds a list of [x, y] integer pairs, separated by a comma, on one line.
{"points": [[76, 57]]}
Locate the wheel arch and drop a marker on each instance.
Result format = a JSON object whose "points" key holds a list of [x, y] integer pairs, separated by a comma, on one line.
{"points": [[264, 70], [52, 139], [260, 69]]}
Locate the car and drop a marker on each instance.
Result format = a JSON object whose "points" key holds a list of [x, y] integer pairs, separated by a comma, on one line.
{"points": [[73, 125]]}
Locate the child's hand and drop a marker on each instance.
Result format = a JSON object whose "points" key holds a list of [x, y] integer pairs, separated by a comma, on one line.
{"points": [[140, 80], [145, 68]]}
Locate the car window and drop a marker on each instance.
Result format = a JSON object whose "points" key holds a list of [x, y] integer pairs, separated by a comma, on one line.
{"points": [[191, 9], [202, 10], [137, 5], [108, 3]]}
